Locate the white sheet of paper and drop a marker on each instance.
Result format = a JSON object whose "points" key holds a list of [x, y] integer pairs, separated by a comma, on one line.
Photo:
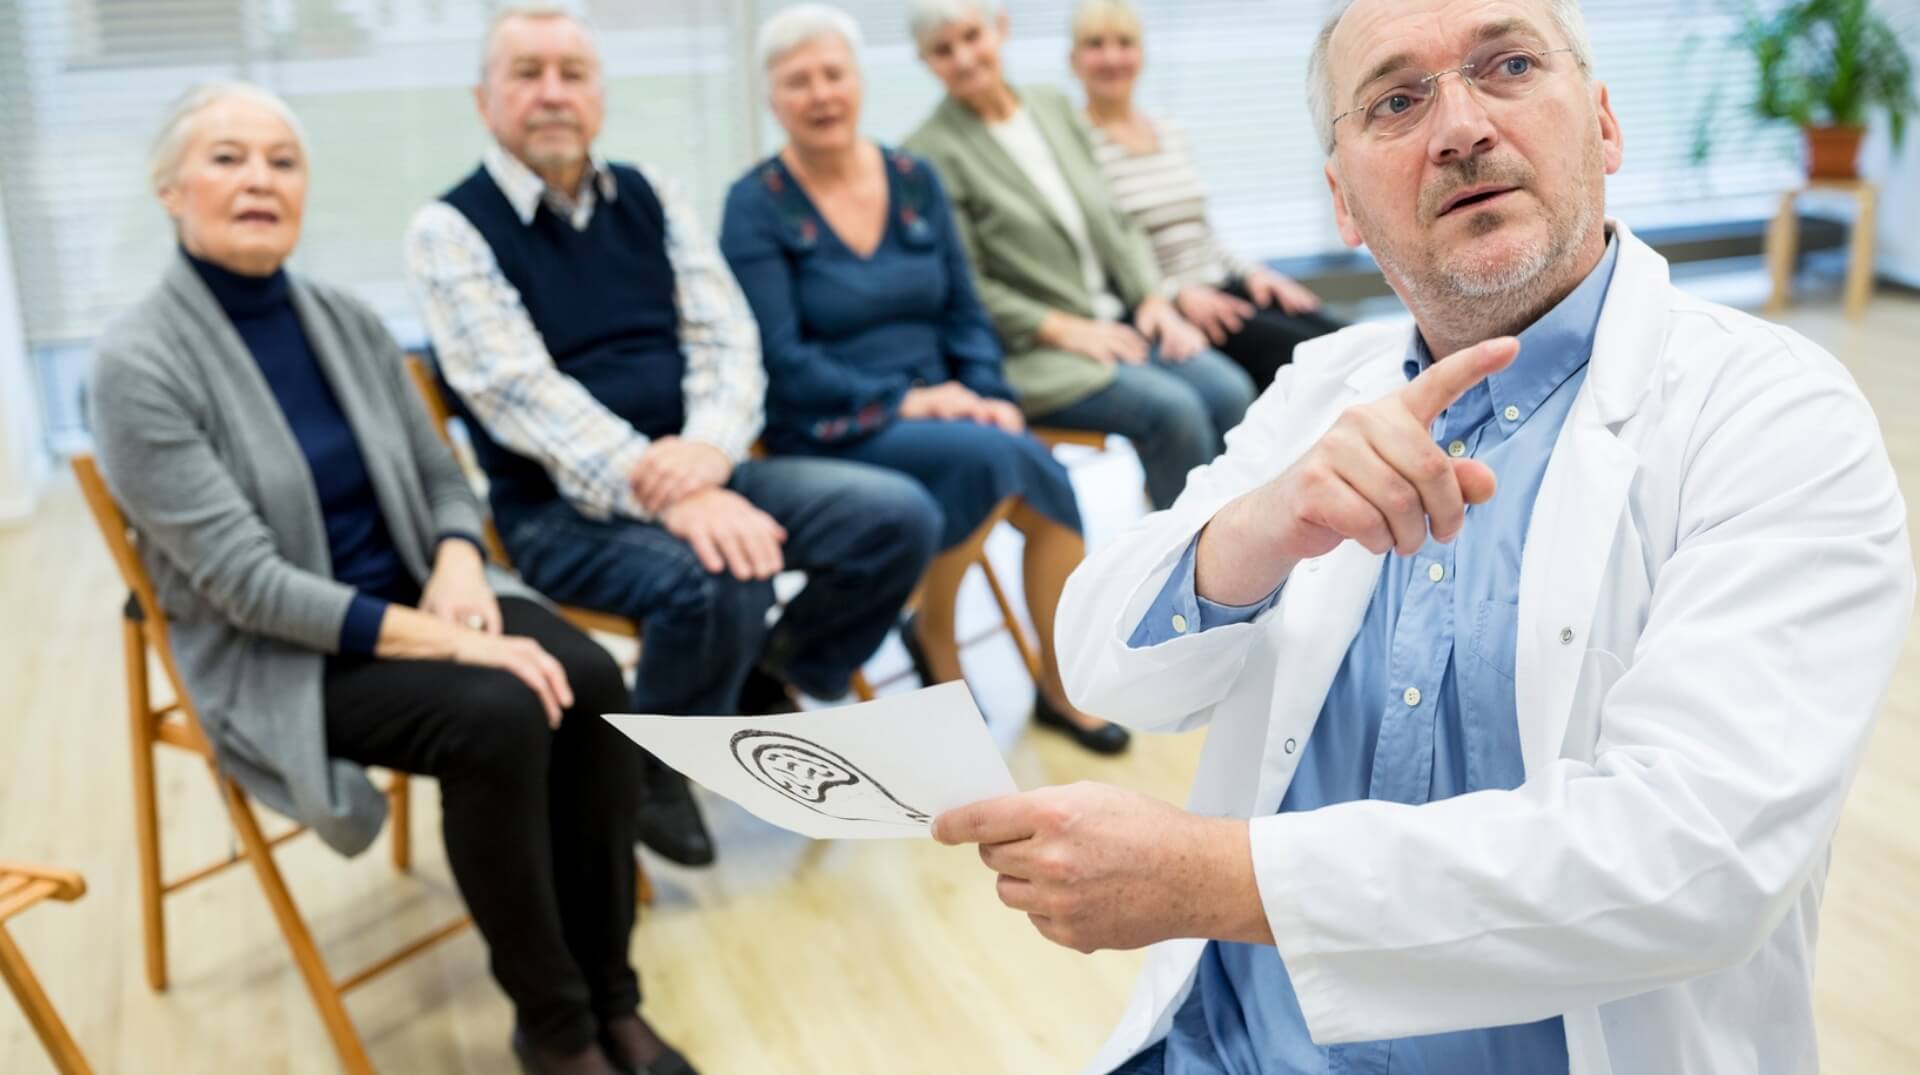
{"points": [[878, 769]]}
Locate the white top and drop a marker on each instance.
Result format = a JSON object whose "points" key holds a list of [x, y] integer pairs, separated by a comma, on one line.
{"points": [[1020, 136]]}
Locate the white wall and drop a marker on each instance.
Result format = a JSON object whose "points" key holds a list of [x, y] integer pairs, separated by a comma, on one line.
{"points": [[23, 455], [1898, 253]]}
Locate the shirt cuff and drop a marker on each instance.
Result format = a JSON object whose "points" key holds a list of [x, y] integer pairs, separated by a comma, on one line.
{"points": [[461, 535], [1180, 610], [360, 631]]}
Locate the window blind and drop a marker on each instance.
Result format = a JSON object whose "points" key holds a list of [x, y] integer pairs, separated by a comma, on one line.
{"points": [[383, 89]]}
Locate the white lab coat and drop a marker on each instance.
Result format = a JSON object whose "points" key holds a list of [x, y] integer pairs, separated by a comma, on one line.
{"points": [[1717, 580]]}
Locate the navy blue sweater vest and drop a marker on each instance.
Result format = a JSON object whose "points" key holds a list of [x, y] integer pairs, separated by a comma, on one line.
{"points": [[602, 300]]}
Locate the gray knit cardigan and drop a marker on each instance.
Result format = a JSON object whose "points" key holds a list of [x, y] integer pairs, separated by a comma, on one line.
{"points": [[203, 462]]}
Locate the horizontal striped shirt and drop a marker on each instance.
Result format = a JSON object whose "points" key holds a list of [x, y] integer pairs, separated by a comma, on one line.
{"points": [[1162, 192]]}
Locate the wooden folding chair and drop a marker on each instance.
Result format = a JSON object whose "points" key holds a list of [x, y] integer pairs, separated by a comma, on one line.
{"points": [[1054, 437], [971, 552], [22, 886], [175, 724]]}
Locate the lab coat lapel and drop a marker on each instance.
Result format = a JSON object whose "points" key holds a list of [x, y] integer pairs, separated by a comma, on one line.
{"points": [[1577, 515], [1320, 611]]}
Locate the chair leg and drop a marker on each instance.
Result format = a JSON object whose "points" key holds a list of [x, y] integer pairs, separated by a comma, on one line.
{"points": [[1011, 619], [146, 810], [862, 689], [642, 884], [40, 1012], [400, 799], [306, 955]]}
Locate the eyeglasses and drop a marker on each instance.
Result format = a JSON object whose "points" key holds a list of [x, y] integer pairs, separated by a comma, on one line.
{"points": [[1501, 70]]}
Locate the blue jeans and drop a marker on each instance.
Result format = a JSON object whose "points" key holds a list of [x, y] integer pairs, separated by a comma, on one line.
{"points": [[1176, 414], [862, 535]]}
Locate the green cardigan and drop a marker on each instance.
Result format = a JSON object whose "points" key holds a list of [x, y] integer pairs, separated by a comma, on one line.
{"points": [[1024, 263]]}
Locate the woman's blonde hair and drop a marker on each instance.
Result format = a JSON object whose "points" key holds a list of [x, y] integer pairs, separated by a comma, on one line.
{"points": [[1089, 15]]}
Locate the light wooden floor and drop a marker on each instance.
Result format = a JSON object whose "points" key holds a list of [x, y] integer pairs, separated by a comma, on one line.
{"points": [[790, 956]]}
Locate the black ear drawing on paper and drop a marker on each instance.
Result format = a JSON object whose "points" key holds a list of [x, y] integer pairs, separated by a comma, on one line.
{"points": [[819, 779]]}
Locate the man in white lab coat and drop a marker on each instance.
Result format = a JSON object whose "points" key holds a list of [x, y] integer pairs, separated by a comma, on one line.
{"points": [[1536, 675]]}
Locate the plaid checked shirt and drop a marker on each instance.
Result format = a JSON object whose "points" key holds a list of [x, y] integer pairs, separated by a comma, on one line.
{"points": [[492, 354]]}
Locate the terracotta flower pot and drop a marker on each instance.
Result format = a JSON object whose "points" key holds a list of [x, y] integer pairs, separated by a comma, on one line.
{"points": [[1834, 152]]}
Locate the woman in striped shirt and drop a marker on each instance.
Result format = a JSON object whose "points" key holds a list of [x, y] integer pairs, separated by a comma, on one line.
{"points": [[1252, 313]]}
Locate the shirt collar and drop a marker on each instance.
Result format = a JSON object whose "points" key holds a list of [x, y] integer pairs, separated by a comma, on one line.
{"points": [[1552, 349], [525, 190]]}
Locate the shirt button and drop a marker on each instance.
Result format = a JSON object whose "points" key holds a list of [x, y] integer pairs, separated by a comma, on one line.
{"points": [[1435, 572], [1412, 696], [1179, 623], [1513, 413], [1290, 746], [1566, 636], [1457, 449]]}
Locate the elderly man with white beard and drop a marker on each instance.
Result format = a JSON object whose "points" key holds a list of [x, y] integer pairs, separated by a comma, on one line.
{"points": [[1538, 641]]}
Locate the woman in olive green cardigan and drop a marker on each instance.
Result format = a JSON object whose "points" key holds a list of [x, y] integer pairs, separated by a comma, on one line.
{"points": [[1070, 282]]}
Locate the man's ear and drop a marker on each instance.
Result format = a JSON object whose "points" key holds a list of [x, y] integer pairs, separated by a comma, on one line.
{"points": [[1349, 230], [1613, 140]]}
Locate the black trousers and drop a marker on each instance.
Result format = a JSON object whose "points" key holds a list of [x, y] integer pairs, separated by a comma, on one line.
{"points": [[539, 823], [1266, 342]]}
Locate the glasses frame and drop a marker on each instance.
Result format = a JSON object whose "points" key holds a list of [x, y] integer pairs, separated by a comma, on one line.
{"points": [[1432, 82]]}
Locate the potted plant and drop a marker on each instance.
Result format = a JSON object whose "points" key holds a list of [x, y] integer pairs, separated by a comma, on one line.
{"points": [[1827, 65]]}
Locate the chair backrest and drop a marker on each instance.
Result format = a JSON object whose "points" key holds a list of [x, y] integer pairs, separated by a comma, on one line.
{"points": [[119, 537], [425, 383], [428, 386], [144, 617]]}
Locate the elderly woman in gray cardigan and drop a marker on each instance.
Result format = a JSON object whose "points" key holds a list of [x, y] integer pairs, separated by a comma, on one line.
{"points": [[314, 544]]}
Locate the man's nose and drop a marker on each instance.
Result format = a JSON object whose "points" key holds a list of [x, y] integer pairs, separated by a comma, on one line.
{"points": [[1461, 126]]}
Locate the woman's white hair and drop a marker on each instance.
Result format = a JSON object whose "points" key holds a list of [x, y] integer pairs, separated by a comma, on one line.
{"points": [[926, 17], [1566, 15], [170, 145], [789, 28]]}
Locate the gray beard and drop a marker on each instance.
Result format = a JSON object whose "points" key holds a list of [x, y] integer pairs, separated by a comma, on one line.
{"points": [[1468, 304]]}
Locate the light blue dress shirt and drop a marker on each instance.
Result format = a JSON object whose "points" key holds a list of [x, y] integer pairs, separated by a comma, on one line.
{"points": [[1422, 709]]}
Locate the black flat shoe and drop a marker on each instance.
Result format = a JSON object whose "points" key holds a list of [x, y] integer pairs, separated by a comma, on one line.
{"points": [[1106, 739], [669, 1062], [670, 824], [535, 1061]]}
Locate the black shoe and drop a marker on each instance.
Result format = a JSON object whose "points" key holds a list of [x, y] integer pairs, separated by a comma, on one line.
{"points": [[916, 653], [1106, 739], [537, 1061], [670, 823], [762, 695], [669, 1062]]}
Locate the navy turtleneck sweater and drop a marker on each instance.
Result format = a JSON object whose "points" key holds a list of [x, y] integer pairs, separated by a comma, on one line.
{"points": [[363, 553]]}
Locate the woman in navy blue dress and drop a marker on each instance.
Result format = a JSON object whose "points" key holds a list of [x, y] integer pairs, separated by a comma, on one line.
{"points": [[877, 348]]}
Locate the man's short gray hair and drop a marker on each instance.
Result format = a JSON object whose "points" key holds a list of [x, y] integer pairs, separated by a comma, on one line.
{"points": [[789, 28], [1566, 15], [926, 17], [526, 9], [170, 145]]}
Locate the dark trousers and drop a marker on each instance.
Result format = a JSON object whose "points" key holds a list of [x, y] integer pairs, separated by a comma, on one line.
{"points": [[1266, 342], [861, 534], [539, 823]]}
